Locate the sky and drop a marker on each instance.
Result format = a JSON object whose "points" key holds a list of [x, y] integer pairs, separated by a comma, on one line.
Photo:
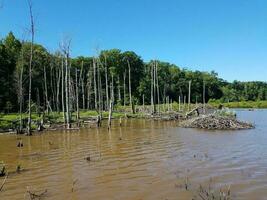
{"points": [[227, 36]]}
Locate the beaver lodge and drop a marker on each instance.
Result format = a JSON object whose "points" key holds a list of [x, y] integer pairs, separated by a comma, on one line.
{"points": [[217, 120]]}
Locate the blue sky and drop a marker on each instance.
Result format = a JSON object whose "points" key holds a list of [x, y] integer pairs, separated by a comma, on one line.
{"points": [[228, 36]]}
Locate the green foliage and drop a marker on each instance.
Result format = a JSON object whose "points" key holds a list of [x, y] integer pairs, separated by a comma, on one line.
{"points": [[172, 80]]}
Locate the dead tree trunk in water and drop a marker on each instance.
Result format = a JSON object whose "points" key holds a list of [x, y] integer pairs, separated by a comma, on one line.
{"points": [[154, 86], [99, 89], [189, 95], [77, 96], [30, 69], [130, 87], [89, 84], [119, 89], [95, 90], [82, 83], [152, 90], [58, 88], [106, 79], [124, 89], [20, 86], [111, 103], [62, 90], [157, 82], [66, 49], [204, 97], [45, 91]]}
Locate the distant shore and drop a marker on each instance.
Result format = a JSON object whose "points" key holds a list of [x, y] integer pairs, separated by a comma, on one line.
{"points": [[10, 120], [241, 104]]}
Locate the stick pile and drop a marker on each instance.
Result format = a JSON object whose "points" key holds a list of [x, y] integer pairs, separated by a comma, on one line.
{"points": [[213, 122]]}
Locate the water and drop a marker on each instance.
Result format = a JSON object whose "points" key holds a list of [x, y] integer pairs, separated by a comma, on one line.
{"points": [[142, 159]]}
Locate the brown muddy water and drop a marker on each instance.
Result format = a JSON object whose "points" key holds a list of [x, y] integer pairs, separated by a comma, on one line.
{"points": [[142, 159]]}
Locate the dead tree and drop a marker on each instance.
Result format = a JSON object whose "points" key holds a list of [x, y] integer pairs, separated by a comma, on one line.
{"points": [[189, 94], [65, 46], [89, 85], [179, 103], [58, 87], [124, 89], [45, 91], [99, 89], [119, 89], [82, 83], [77, 96], [152, 90], [130, 86], [106, 79], [20, 86], [204, 97], [95, 86], [30, 67], [62, 91], [157, 82]]}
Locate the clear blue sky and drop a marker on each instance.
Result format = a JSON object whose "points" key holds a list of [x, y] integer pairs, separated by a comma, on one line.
{"points": [[228, 36]]}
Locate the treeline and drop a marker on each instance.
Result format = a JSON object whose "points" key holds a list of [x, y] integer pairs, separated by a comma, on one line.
{"points": [[60, 82]]}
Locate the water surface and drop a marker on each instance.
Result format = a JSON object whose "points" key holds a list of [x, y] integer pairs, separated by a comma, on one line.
{"points": [[142, 159]]}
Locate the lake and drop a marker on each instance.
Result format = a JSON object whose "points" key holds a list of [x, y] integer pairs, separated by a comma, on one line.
{"points": [[142, 159]]}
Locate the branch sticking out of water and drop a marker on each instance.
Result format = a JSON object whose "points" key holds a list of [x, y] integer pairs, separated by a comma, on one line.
{"points": [[3, 183]]}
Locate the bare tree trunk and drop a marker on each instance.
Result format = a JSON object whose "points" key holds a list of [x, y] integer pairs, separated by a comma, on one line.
{"points": [[99, 88], [154, 84], [106, 79], [58, 88], [157, 86], [112, 87], [204, 97], [20, 98], [51, 103], [110, 113], [111, 103], [62, 91], [89, 84], [124, 89], [179, 103], [77, 96], [119, 89], [152, 89], [66, 49], [45, 91], [30, 69], [189, 95], [130, 87], [95, 90], [143, 103], [81, 82]]}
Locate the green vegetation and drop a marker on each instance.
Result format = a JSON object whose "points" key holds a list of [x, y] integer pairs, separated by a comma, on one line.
{"points": [[241, 104]]}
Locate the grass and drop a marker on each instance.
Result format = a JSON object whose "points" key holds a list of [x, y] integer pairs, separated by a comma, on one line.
{"points": [[242, 104], [11, 120]]}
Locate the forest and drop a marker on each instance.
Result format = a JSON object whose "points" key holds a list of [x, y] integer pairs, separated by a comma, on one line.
{"points": [[123, 76]]}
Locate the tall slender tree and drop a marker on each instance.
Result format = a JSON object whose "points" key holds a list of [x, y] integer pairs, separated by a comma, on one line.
{"points": [[32, 31]]}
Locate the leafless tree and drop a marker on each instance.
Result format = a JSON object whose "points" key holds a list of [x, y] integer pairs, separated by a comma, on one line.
{"points": [[65, 47], [130, 86], [62, 90], [32, 29], [106, 79], [189, 94]]}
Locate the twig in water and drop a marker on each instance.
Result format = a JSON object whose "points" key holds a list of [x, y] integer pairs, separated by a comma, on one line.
{"points": [[73, 184], [34, 195], [2, 185]]}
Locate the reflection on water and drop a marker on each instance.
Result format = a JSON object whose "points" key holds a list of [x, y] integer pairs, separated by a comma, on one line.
{"points": [[142, 159]]}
